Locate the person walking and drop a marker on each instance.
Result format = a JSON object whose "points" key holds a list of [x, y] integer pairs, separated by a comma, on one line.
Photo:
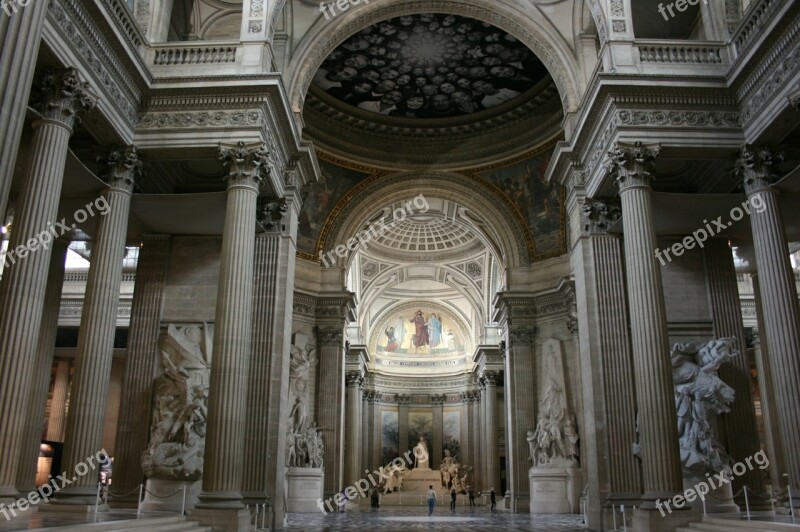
{"points": [[471, 493], [453, 495], [431, 499], [493, 498]]}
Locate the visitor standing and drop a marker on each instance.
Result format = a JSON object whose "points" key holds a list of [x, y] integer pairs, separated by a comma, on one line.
{"points": [[471, 493], [453, 495], [493, 498], [431, 499]]}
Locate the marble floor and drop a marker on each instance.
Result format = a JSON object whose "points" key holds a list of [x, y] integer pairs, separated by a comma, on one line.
{"points": [[416, 518]]}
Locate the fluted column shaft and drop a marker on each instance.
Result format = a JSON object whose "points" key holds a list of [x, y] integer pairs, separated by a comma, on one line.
{"points": [[85, 421], [367, 428], [227, 402], [436, 446], [477, 429], [492, 479], [44, 367], [632, 167], [330, 404], [778, 300], [141, 364], [521, 394], [58, 404], [772, 432], [738, 429], [20, 35], [466, 431], [353, 428], [22, 290], [376, 435]]}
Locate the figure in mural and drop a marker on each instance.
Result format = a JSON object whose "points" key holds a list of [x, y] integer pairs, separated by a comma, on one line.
{"points": [[391, 339], [435, 324], [178, 429], [421, 338], [700, 396]]}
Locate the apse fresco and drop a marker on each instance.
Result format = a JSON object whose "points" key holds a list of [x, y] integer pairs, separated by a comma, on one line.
{"points": [[429, 66], [319, 199], [420, 424], [390, 436], [540, 203], [420, 331], [451, 432]]}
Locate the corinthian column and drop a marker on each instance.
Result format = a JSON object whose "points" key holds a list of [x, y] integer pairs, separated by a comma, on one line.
{"points": [[22, 290], [268, 387], [84, 434], [738, 429], [492, 477], [44, 367], [227, 402], [354, 381], [20, 35], [778, 297], [632, 167], [330, 403], [141, 362]]}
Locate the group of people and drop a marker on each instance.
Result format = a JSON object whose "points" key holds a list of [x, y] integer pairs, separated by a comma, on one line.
{"points": [[433, 497], [428, 66]]}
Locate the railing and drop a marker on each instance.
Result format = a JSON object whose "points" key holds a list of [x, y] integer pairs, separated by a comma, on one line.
{"points": [[756, 17], [669, 52], [173, 54]]}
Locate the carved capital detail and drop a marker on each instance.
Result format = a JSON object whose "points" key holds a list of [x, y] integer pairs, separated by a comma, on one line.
{"points": [[329, 336], [599, 214], [521, 336], [246, 165], [403, 400], [491, 378], [632, 165], [120, 167], [354, 378], [63, 97], [757, 166], [438, 399], [270, 213]]}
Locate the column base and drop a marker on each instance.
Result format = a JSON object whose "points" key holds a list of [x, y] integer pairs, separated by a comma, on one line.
{"points": [[169, 495], [220, 500], [222, 519], [654, 521]]}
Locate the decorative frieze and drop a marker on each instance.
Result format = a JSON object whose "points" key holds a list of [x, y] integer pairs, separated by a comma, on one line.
{"points": [[199, 119]]}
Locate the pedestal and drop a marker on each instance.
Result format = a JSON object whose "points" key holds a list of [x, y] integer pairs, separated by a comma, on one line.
{"points": [[304, 487], [653, 521], [167, 495], [420, 480], [555, 490]]}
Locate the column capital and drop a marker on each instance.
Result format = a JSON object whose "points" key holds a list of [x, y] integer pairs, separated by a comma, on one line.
{"points": [[329, 336], [403, 400], [521, 335], [491, 378], [120, 167], [270, 213], [247, 165], [354, 378], [597, 215], [632, 165], [438, 400], [63, 97], [756, 165]]}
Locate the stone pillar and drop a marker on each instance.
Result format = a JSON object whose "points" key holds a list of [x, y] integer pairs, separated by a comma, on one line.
{"points": [[477, 430], [98, 324], [772, 437], [403, 411], [352, 421], [631, 167], [738, 429], [44, 368], [58, 404], [333, 313], [467, 456], [367, 428], [268, 388], [221, 499], [521, 394], [492, 478], [605, 352], [376, 436], [436, 446], [781, 313], [141, 366], [22, 290], [20, 35]]}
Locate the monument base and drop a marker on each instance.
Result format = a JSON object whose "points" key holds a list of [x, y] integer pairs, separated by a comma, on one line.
{"points": [[555, 490], [719, 501], [419, 480], [167, 495], [304, 486]]}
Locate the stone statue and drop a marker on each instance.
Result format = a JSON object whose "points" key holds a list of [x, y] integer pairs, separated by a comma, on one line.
{"points": [[298, 416], [444, 468], [304, 447], [554, 442], [300, 364], [700, 395], [421, 457], [178, 428]]}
